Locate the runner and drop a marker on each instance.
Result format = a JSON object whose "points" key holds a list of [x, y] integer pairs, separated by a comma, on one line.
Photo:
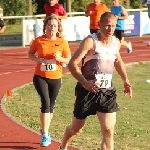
{"points": [[121, 15], [52, 51], [95, 93], [95, 10]]}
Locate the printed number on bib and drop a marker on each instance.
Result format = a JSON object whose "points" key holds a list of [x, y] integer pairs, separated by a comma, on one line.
{"points": [[148, 1], [49, 66], [103, 80]]}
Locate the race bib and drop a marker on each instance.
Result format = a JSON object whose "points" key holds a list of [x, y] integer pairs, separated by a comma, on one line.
{"points": [[49, 66], [103, 80], [148, 1]]}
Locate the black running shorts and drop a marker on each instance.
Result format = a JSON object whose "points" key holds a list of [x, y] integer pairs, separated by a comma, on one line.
{"points": [[88, 103], [119, 34]]}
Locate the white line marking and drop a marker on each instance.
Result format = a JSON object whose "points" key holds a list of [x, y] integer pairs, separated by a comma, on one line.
{"points": [[16, 63], [16, 71]]}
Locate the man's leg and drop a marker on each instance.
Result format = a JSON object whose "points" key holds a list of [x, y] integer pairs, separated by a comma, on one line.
{"points": [[71, 131], [107, 123]]}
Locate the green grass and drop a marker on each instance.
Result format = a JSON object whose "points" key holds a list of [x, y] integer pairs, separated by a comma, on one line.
{"points": [[13, 30], [132, 128]]}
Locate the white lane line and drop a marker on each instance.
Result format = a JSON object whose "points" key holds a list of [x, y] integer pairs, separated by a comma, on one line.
{"points": [[16, 63], [14, 53], [23, 57], [16, 71], [135, 56]]}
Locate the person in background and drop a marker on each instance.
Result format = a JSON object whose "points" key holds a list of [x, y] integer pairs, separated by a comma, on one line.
{"points": [[53, 7], [121, 15], [49, 51], [2, 26], [94, 91], [95, 10]]}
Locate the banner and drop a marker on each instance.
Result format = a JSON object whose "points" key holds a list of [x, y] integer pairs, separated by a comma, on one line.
{"points": [[132, 24], [74, 28], [145, 23]]}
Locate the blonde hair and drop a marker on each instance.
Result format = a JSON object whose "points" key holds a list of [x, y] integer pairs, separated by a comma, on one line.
{"points": [[53, 16]]}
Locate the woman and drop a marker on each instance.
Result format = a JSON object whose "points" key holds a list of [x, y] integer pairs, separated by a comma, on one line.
{"points": [[52, 51]]}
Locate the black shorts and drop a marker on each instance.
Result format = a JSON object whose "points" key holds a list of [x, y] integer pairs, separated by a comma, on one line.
{"points": [[94, 31], [88, 103], [119, 34]]}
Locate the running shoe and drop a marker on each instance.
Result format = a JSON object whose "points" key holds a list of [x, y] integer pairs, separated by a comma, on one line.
{"points": [[46, 140], [60, 148], [148, 44], [129, 47]]}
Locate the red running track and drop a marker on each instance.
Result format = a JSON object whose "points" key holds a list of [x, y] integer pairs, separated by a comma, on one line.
{"points": [[16, 70]]}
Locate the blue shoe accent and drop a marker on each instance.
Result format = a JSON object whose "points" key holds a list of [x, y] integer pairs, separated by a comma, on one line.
{"points": [[129, 47], [46, 140]]}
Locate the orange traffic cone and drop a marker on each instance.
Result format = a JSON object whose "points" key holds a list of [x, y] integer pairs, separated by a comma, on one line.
{"points": [[8, 93]]}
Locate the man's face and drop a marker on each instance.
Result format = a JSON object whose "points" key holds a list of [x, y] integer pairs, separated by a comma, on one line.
{"points": [[96, 1], [115, 2], [107, 27]]}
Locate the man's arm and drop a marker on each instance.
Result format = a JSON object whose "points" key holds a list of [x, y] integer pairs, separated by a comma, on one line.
{"points": [[81, 51], [87, 11], [62, 17], [124, 14], [2, 29], [120, 68]]}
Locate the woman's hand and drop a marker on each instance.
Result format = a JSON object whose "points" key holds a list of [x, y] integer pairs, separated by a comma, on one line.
{"points": [[57, 56]]}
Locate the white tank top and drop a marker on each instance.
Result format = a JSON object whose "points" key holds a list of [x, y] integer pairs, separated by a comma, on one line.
{"points": [[102, 60]]}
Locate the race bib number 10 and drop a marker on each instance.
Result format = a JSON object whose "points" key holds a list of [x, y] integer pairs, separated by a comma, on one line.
{"points": [[103, 80], [49, 66]]}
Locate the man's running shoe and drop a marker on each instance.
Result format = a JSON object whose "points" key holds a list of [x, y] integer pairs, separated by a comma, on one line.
{"points": [[129, 47], [60, 148], [46, 140]]}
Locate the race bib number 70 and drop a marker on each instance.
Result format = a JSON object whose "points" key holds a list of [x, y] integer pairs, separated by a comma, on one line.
{"points": [[49, 66], [103, 80]]}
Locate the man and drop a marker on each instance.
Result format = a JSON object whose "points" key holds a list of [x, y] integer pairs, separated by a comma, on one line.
{"points": [[121, 15], [95, 10], [95, 93], [2, 26]]}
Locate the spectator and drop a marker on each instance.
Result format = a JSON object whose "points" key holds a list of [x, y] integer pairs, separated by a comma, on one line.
{"points": [[2, 26]]}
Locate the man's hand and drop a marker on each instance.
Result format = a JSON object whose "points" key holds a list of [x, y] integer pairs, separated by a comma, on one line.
{"points": [[127, 89], [91, 86]]}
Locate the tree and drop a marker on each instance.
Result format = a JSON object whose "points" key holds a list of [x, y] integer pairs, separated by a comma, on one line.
{"points": [[40, 6], [14, 7], [79, 5]]}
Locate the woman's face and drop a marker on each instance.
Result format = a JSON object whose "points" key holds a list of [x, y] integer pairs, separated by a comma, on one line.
{"points": [[52, 27]]}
